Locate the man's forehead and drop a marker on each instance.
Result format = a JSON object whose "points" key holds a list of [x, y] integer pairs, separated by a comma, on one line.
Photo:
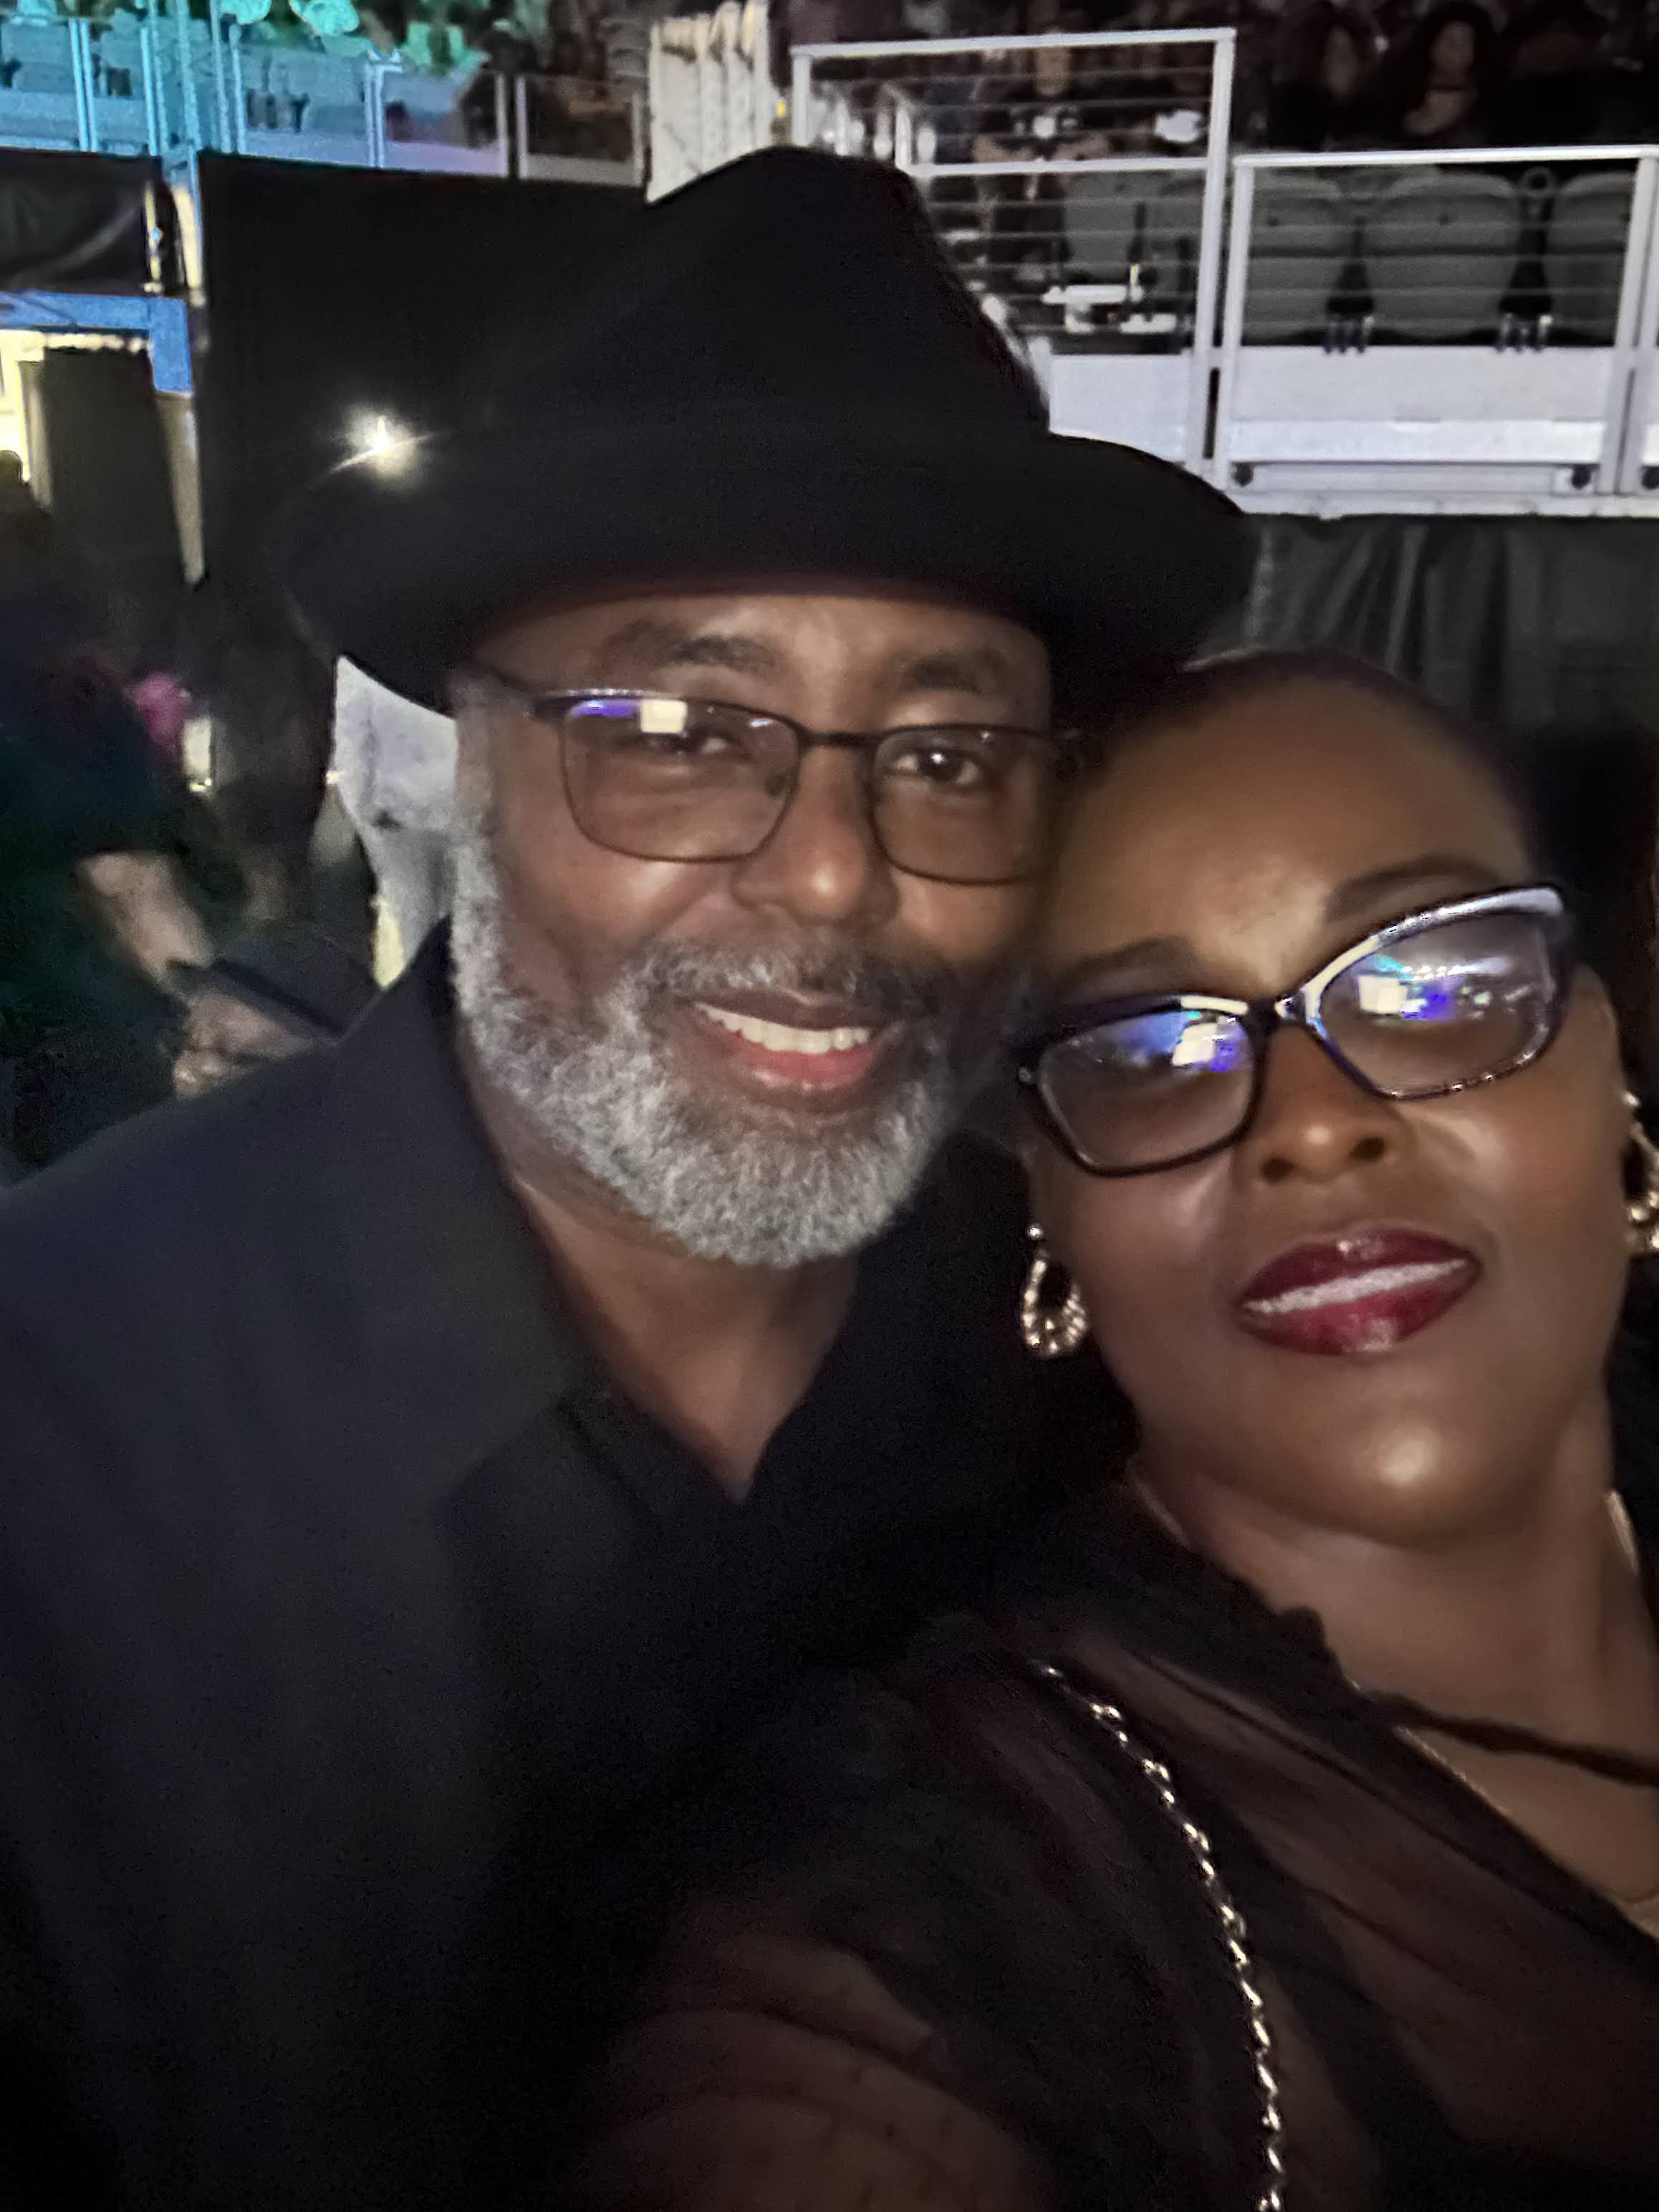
{"points": [[757, 626]]}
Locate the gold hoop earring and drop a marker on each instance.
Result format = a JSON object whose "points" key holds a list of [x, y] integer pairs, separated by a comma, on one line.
{"points": [[1641, 1205], [1050, 1331]]}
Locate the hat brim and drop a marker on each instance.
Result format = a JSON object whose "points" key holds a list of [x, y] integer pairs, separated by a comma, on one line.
{"points": [[1119, 560]]}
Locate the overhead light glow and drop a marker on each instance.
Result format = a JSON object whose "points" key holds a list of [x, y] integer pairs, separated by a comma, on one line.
{"points": [[381, 442]]}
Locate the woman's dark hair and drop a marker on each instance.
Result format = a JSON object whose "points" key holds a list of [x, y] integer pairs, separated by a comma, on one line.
{"points": [[1299, 50], [1587, 804], [1401, 79]]}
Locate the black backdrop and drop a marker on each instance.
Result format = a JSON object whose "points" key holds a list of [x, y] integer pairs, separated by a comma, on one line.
{"points": [[337, 291], [332, 293], [1531, 624], [81, 221]]}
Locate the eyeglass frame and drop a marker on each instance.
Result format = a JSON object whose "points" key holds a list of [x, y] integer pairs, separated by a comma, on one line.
{"points": [[1260, 1019], [1065, 746]]}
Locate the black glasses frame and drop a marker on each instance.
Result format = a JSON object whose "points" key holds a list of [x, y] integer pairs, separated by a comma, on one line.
{"points": [[1300, 1008], [872, 746]]}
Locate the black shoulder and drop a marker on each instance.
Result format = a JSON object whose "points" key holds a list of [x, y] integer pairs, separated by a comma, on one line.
{"points": [[167, 1201]]}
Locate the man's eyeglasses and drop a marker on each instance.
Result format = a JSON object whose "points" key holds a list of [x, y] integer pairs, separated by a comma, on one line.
{"points": [[1453, 996], [666, 779]]}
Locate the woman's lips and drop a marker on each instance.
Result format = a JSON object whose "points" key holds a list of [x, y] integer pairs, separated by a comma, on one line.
{"points": [[1366, 1291]]}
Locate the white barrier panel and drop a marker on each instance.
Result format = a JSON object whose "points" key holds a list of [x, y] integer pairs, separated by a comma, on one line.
{"points": [[1133, 399], [1442, 330]]}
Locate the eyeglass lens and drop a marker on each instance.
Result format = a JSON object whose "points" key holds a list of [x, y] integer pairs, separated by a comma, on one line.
{"points": [[668, 778], [1451, 1003]]}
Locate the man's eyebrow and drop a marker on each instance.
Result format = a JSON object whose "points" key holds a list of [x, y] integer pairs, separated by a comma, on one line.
{"points": [[976, 669], [650, 644]]}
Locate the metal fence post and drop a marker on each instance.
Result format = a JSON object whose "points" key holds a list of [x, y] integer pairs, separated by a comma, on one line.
{"points": [[80, 46], [1630, 391], [374, 113], [1232, 315], [149, 71], [1216, 153], [192, 106], [234, 33], [217, 46]]}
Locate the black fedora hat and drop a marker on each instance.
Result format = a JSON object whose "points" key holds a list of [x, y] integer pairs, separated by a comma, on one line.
{"points": [[780, 376]]}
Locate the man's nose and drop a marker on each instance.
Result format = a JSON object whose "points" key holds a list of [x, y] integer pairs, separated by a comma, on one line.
{"points": [[1314, 1121], [821, 863]]}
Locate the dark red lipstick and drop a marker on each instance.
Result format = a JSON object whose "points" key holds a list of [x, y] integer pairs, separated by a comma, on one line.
{"points": [[1365, 1291]]}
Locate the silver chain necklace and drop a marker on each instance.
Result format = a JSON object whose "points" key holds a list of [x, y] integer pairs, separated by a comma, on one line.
{"points": [[1235, 1937]]}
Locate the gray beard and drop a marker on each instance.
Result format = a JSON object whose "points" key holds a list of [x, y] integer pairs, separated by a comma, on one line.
{"points": [[602, 1090]]}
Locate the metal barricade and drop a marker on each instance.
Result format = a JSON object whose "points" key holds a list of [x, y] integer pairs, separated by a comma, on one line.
{"points": [[1457, 331], [173, 85], [710, 94], [1078, 182], [576, 132]]}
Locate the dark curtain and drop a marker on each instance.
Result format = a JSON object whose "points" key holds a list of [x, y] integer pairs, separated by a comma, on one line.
{"points": [[1529, 623], [338, 293], [80, 222]]}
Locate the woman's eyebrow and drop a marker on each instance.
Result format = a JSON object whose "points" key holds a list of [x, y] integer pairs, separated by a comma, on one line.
{"points": [[1450, 872], [1098, 972], [1437, 873]]}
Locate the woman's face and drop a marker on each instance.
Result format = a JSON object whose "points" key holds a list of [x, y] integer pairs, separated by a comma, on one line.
{"points": [[1051, 70], [1236, 854], [1451, 57], [1341, 71]]}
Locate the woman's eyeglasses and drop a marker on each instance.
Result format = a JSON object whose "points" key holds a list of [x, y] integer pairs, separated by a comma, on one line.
{"points": [[1457, 995], [665, 779]]}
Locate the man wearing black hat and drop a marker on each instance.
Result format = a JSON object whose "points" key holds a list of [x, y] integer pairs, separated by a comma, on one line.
{"points": [[417, 1449]]}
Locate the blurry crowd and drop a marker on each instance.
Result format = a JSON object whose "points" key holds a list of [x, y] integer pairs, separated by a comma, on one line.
{"points": [[1313, 75], [1457, 73], [582, 63], [153, 940]]}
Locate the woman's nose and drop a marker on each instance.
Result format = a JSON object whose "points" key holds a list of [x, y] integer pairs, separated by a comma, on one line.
{"points": [[1314, 1120]]}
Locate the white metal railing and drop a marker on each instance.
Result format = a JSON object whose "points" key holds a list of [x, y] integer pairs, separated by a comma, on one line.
{"points": [[174, 86], [710, 94], [1451, 331], [1489, 337], [1041, 158]]}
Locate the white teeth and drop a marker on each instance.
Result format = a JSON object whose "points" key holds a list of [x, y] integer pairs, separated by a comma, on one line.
{"points": [[778, 1037], [1349, 1290]]}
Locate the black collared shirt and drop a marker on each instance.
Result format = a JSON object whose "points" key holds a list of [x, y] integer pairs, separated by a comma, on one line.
{"points": [[348, 1609]]}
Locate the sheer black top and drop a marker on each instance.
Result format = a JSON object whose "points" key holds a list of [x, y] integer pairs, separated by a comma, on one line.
{"points": [[1191, 1926]]}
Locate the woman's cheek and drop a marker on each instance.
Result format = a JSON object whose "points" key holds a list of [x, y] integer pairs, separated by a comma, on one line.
{"points": [[1142, 1251]]}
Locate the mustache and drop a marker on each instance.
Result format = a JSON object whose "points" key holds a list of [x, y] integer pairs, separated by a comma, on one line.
{"points": [[876, 984]]}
